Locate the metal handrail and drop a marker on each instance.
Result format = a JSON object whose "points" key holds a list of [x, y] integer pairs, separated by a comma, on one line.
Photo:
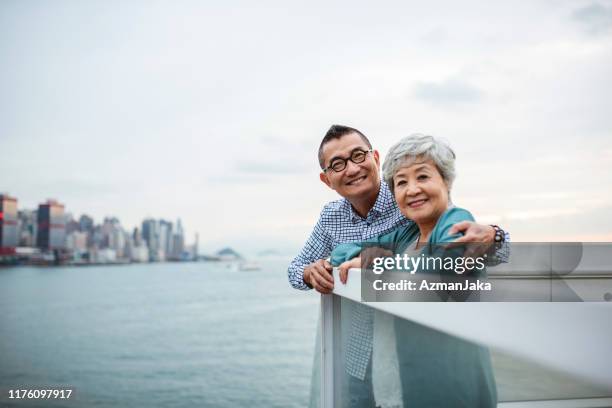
{"points": [[573, 338]]}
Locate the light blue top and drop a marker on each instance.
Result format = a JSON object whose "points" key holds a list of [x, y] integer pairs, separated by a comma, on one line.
{"points": [[437, 370], [401, 237]]}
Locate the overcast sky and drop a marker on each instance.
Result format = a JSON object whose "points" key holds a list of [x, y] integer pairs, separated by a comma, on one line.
{"points": [[213, 112]]}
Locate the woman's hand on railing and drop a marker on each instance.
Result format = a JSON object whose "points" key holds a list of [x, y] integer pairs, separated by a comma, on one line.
{"points": [[345, 266]]}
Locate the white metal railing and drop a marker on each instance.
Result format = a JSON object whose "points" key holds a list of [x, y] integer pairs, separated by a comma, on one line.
{"points": [[573, 338]]}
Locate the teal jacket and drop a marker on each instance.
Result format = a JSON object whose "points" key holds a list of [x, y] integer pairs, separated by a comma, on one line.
{"points": [[400, 238], [437, 370]]}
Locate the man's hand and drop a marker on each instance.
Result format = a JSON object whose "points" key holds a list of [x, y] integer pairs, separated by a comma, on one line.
{"points": [[345, 266], [474, 234], [318, 275]]}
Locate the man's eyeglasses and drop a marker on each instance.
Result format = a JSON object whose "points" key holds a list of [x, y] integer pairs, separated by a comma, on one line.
{"points": [[339, 164]]}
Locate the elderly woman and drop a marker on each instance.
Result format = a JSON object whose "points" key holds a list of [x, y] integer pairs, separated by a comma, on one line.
{"points": [[420, 171], [436, 369]]}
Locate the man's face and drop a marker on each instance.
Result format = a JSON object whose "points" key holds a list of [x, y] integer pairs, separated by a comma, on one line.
{"points": [[356, 180]]}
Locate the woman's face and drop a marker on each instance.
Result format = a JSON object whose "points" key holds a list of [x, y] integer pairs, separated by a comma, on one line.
{"points": [[420, 192]]}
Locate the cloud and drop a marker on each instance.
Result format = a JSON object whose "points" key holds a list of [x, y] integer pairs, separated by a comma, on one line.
{"points": [[67, 188], [594, 18], [259, 171], [447, 93], [271, 168], [234, 179], [270, 140], [436, 36], [561, 224]]}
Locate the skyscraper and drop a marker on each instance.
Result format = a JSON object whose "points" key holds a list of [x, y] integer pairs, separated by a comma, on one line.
{"points": [[150, 233], [140, 251], [178, 242], [113, 236], [196, 246], [27, 227], [165, 239], [9, 237], [51, 226]]}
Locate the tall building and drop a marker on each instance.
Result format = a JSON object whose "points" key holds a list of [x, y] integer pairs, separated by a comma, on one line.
{"points": [[150, 233], [113, 237], [86, 225], [27, 227], [178, 242], [140, 251], [76, 241], [71, 223], [9, 236], [137, 237], [165, 239], [51, 226]]}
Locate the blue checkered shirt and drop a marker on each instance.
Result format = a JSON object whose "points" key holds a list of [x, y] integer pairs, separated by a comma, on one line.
{"points": [[339, 224]]}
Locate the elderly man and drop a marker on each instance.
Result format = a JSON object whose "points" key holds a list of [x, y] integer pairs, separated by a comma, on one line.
{"points": [[367, 209]]}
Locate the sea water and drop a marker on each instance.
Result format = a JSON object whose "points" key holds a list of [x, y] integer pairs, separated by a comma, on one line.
{"points": [[157, 335]]}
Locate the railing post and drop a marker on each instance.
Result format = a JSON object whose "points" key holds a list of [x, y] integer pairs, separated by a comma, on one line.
{"points": [[330, 349]]}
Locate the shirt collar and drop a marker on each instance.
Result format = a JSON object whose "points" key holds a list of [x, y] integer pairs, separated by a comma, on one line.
{"points": [[383, 201]]}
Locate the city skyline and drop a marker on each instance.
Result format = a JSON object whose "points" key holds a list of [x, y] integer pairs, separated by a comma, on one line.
{"points": [[60, 236]]}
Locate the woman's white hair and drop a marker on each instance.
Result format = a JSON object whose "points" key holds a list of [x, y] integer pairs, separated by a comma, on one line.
{"points": [[420, 147]]}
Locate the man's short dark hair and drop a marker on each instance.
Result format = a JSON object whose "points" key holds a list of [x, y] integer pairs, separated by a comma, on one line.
{"points": [[337, 132]]}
